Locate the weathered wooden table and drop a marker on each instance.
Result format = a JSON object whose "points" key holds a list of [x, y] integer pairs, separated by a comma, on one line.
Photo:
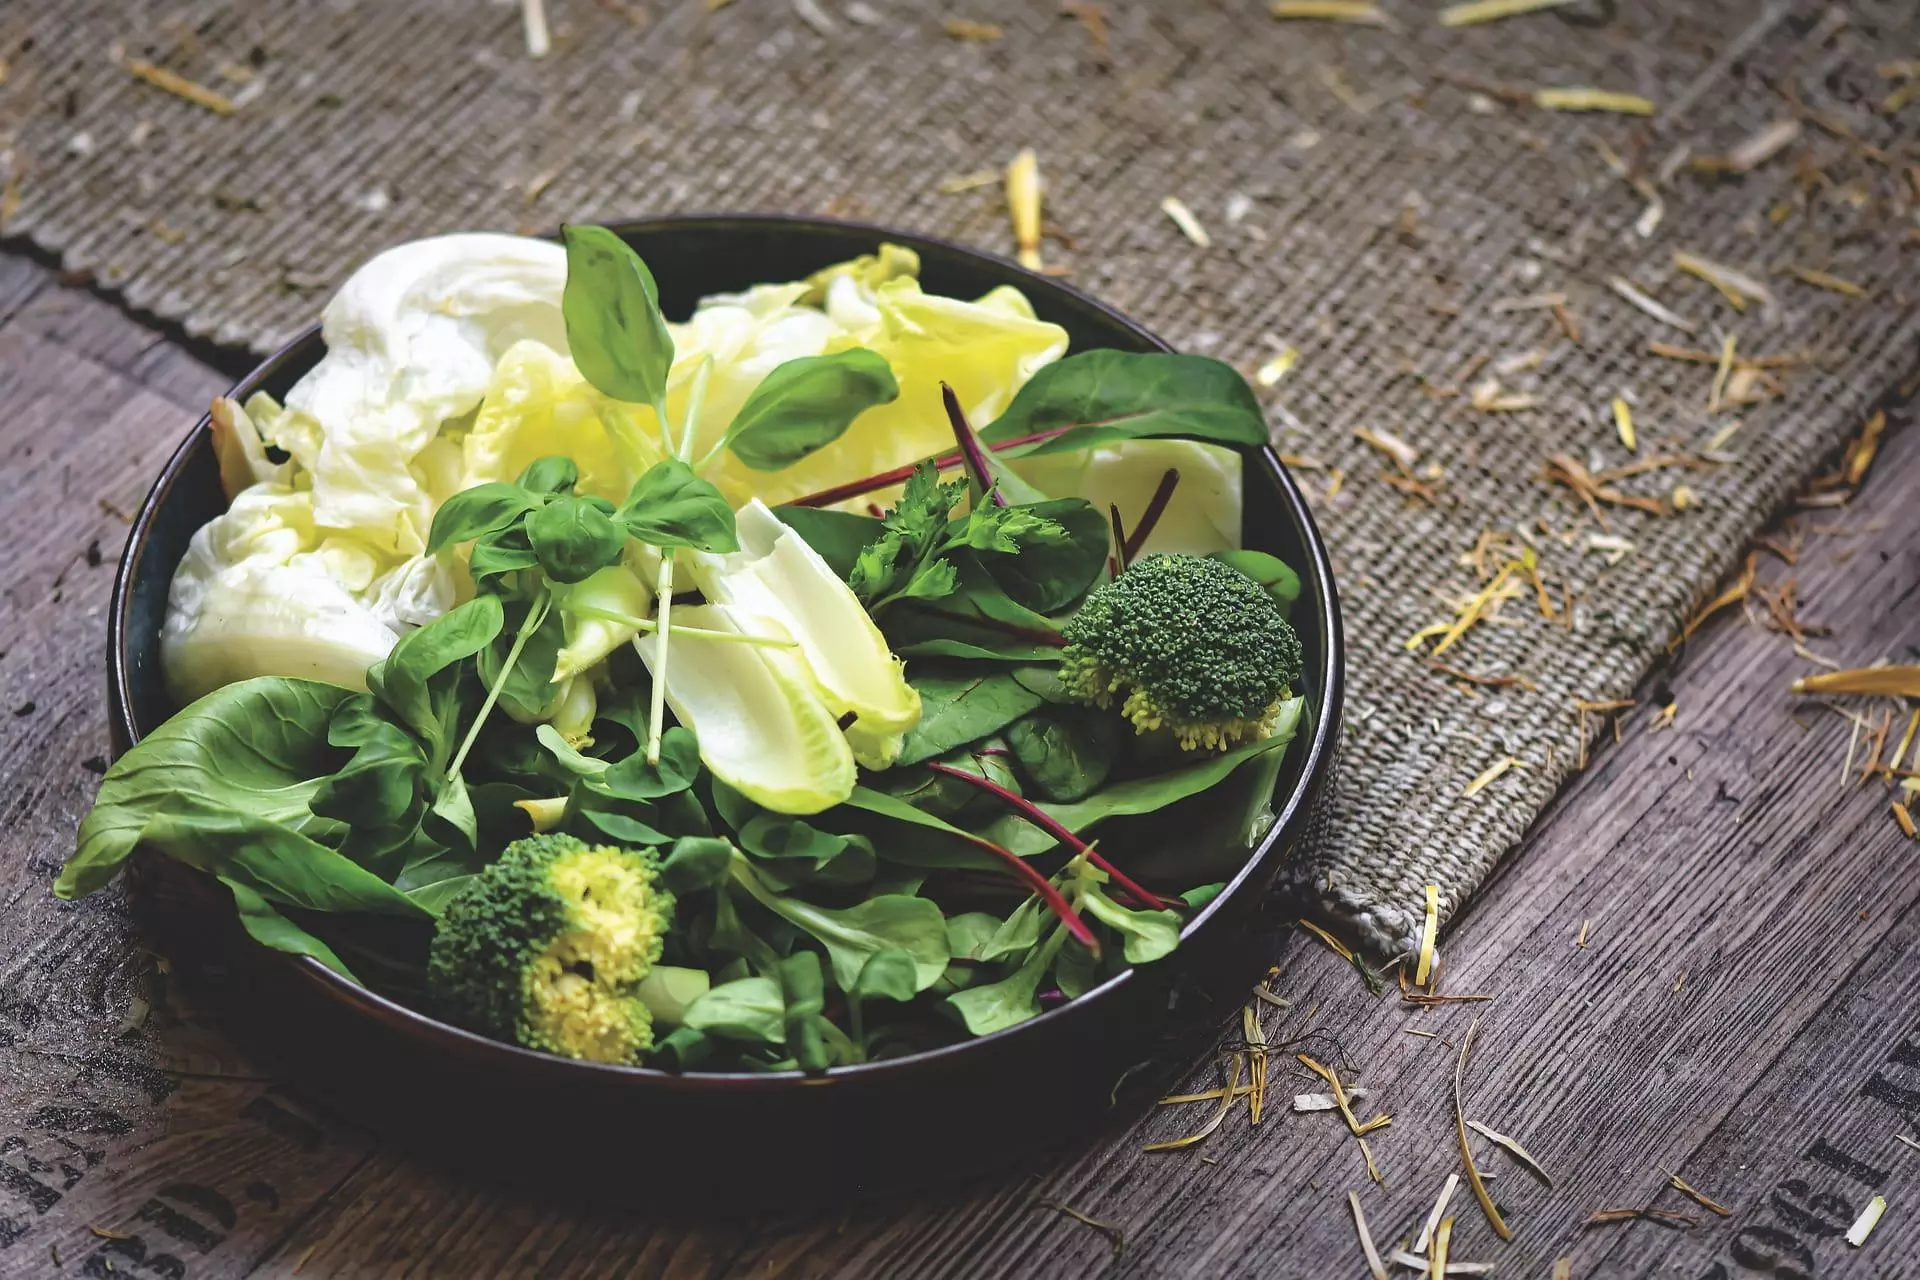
{"points": [[1742, 1011]]}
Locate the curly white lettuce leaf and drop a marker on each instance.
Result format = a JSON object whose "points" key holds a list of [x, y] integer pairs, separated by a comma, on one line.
{"points": [[412, 340]]}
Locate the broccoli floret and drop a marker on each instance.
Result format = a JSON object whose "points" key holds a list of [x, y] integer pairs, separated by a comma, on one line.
{"points": [[1195, 646], [546, 947]]}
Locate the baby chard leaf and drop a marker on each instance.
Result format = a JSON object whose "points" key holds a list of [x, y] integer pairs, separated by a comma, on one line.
{"points": [[958, 706], [670, 506], [806, 404], [995, 1006], [1066, 753], [1098, 397], [615, 330], [1271, 572], [1147, 935]]}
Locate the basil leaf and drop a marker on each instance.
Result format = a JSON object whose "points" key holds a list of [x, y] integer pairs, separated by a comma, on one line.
{"points": [[670, 506], [573, 538], [808, 403], [472, 513], [962, 706], [611, 305], [501, 552], [1103, 396], [550, 475]]}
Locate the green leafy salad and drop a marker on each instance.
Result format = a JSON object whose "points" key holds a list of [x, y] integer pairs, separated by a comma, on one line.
{"points": [[715, 696]]}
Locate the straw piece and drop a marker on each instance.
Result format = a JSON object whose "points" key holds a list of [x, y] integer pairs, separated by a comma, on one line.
{"points": [[1631, 104], [1479, 11], [1376, 1267]]}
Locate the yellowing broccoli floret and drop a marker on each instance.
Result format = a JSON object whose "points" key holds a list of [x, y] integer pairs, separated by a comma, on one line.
{"points": [[1193, 646], [547, 946]]}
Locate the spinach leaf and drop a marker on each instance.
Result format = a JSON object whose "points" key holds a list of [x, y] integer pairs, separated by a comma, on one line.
{"points": [[1065, 752], [852, 934], [670, 506], [889, 974], [634, 779], [839, 536], [1103, 396], [905, 834], [807, 403], [696, 862], [621, 828], [611, 305], [1271, 572], [277, 933], [795, 852], [968, 932], [245, 760], [402, 680], [1144, 795], [573, 537], [382, 793], [807, 1029], [984, 648], [529, 685], [959, 706], [750, 1009]]}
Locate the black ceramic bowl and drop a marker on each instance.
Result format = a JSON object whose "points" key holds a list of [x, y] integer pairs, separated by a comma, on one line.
{"points": [[970, 1103]]}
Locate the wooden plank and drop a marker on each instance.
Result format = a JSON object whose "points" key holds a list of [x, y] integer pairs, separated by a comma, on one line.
{"points": [[148, 1124], [1723, 849]]}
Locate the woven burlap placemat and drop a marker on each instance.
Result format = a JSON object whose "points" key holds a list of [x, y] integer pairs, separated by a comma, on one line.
{"points": [[1443, 251]]}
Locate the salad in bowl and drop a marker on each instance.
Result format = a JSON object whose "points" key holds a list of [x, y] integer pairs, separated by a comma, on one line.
{"points": [[845, 671]]}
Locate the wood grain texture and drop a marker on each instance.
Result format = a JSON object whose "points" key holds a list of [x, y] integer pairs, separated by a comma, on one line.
{"points": [[1744, 1012]]}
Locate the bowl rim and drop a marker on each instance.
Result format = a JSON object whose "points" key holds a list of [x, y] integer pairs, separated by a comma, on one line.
{"points": [[1323, 720]]}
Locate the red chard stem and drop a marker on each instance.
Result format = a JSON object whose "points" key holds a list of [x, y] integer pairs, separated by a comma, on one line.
{"points": [[979, 466], [1156, 507], [1046, 822]]}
